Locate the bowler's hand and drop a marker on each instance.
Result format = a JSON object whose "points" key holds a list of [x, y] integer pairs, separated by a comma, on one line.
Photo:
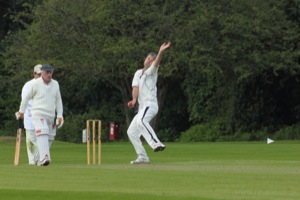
{"points": [[19, 115], [164, 46], [59, 122]]}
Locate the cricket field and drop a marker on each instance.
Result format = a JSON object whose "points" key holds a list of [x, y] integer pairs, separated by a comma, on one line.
{"points": [[190, 171]]}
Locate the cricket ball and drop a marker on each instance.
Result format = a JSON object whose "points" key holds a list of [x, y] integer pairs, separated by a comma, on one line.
{"points": [[130, 105]]}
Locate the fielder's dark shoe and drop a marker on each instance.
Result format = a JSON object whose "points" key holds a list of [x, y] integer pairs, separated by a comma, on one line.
{"points": [[44, 162]]}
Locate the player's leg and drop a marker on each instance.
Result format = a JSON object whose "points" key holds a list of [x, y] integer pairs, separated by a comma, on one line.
{"points": [[52, 132], [134, 137], [42, 140], [143, 121], [31, 146], [35, 151]]}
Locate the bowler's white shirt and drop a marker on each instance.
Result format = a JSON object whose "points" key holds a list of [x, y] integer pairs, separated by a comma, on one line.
{"points": [[146, 82]]}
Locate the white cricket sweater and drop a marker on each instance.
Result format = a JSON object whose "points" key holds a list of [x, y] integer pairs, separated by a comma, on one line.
{"points": [[46, 99]]}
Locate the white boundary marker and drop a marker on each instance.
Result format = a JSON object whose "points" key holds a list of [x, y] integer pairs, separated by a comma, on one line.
{"points": [[269, 141]]}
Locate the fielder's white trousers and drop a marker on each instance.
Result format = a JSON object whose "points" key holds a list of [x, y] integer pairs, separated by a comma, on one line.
{"points": [[32, 151], [45, 131], [140, 127]]}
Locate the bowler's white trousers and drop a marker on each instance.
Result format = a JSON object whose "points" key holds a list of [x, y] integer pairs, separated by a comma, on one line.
{"points": [[140, 126]]}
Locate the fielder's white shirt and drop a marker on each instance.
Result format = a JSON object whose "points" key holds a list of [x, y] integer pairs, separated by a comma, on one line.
{"points": [[27, 115], [147, 85], [46, 99]]}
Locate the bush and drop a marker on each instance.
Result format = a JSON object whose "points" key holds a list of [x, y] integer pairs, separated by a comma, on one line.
{"points": [[250, 136], [288, 133], [73, 126], [10, 128], [72, 129], [214, 131], [167, 135], [201, 133]]}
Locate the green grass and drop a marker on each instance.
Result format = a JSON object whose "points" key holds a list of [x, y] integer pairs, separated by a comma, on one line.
{"points": [[202, 171]]}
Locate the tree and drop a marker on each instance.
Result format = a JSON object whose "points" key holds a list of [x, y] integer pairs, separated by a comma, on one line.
{"points": [[14, 16], [234, 43], [231, 62], [94, 40]]}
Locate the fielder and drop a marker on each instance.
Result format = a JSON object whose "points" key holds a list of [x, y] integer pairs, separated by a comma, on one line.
{"points": [[32, 151], [46, 101], [145, 92]]}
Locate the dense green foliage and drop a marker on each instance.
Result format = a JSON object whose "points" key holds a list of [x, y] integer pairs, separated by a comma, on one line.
{"points": [[233, 65]]}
